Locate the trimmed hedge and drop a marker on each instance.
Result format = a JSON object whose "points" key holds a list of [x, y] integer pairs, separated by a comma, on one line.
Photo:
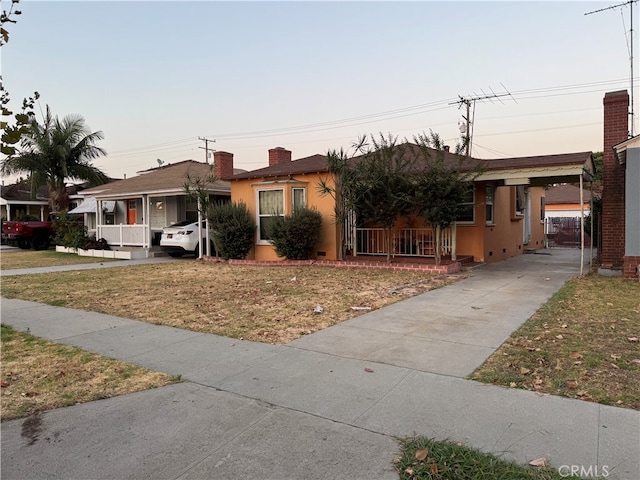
{"points": [[295, 235], [233, 229]]}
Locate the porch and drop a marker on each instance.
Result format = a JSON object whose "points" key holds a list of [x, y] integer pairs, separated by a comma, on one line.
{"points": [[403, 242]]}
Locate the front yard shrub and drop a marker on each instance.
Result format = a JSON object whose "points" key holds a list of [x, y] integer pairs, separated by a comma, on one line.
{"points": [[295, 235], [233, 229], [70, 232]]}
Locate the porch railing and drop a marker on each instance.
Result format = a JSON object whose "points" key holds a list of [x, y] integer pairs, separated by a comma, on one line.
{"points": [[415, 242], [124, 235]]}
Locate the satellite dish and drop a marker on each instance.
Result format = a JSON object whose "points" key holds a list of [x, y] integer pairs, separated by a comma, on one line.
{"points": [[160, 162], [463, 127]]}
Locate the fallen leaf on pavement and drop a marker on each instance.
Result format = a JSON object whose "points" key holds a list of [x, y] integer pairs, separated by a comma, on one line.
{"points": [[538, 462], [368, 370]]}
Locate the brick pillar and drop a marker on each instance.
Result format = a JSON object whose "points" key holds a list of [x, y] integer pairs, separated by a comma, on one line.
{"points": [[279, 155], [616, 130], [223, 165]]}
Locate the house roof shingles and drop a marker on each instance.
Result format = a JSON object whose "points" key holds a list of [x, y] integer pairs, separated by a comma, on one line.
{"points": [[318, 163], [167, 179], [567, 194]]}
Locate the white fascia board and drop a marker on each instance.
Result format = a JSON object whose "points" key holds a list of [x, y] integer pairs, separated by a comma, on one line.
{"points": [[518, 174]]}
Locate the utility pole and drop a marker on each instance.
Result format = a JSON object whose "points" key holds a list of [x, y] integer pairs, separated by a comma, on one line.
{"points": [[470, 116], [630, 3], [206, 147]]}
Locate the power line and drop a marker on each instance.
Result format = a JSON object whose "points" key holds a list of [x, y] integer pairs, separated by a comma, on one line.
{"points": [[206, 147], [471, 100], [413, 110], [630, 3]]}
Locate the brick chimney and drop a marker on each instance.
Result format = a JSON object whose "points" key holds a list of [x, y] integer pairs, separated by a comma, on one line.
{"points": [[279, 155], [616, 130], [223, 165]]}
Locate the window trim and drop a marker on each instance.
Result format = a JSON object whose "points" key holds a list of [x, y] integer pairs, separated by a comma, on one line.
{"points": [[259, 215], [472, 203], [489, 202], [293, 197]]}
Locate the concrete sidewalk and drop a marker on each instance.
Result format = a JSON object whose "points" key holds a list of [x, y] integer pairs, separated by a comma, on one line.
{"points": [[329, 405]]}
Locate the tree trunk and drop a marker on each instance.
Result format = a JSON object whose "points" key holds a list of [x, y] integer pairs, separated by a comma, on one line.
{"points": [[58, 198], [438, 249]]}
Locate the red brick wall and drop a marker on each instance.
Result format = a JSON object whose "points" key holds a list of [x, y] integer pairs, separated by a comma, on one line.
{"points": [[616, 130], [223, 165], [630, 270], [279, 155]]}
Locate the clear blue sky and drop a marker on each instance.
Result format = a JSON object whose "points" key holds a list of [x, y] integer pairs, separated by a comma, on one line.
{"points": [[154, 76]]}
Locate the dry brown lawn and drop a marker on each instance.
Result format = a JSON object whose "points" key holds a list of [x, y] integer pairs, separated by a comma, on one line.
{"points": [[265, 304], [40, 375], [12, 259]]}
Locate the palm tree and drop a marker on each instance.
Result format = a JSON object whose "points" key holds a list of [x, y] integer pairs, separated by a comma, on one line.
{"points": [[56, 151]]}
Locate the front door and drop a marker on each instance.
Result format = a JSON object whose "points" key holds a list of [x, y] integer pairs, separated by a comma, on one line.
{"points": [[131, 212]]}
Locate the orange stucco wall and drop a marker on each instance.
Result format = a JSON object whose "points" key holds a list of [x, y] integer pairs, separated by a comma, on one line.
{"points": [[504, 237], [246, 190], [486, 243], [567, 206]]}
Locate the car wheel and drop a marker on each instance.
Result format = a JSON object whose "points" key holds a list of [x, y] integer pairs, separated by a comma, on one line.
{"points": [[24, 244], [41, 242], [175, 254]]}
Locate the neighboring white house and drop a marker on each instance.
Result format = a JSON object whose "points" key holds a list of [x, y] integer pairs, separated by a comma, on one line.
{"points": [[134, 211]]}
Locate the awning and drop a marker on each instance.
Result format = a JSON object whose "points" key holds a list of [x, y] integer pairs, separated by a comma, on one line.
{"points": [[87, 206], [90, 205]]}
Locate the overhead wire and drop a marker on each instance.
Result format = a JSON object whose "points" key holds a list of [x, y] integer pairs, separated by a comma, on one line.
{"points": [[363, 119]]}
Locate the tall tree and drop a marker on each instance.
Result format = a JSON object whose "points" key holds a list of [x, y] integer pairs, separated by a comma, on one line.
{"points": [[374, 185], [55, 151], [440, 185]]}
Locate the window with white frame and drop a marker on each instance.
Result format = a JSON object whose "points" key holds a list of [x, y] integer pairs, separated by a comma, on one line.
{"points": [[467, 213], [270, 206], [490, 191], [298, 198]]}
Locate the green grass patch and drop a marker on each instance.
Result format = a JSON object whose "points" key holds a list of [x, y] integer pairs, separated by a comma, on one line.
{"points": [[426, 459]]}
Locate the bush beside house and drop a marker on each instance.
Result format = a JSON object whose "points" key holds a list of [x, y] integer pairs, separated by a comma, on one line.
{"points": [[233, 229], [294, 236]]}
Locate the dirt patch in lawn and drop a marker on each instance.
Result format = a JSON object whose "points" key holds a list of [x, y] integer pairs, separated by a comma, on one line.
{"points": [[265, 304]]}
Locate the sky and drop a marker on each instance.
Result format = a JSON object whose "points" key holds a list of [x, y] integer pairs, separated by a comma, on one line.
{"points": [[156, 76]]}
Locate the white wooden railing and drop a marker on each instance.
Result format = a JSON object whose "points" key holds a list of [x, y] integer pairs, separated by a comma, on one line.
{"points": [[415, 242], [124, 235]]}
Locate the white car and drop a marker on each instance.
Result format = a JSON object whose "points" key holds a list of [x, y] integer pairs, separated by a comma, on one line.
{"points": [[182, 238]]}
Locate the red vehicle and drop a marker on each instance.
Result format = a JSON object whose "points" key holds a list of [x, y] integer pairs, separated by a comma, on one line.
{"points": [[29, 234], [33, 233]]}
